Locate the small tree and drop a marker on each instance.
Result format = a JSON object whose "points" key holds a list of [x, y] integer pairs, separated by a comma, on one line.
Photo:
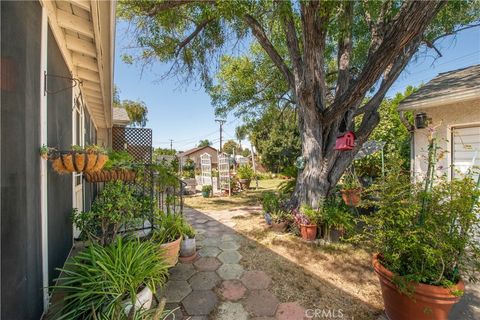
{"points": [[204, 143]]}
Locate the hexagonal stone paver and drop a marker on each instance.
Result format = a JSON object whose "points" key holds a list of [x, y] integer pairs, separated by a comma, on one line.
{"points": [[230, 237], [176, 310], [232, 290], [231, 311], [177, 290], [255, 280], [261, 303], [200, 302], [200, 237], [182, 271], [229, 245], [200, 231], [210, 242], [204, 280], [230, 271], [230, 256], [209, 251], [201, 221], [207, 264], [290, 311], [212, 223]]}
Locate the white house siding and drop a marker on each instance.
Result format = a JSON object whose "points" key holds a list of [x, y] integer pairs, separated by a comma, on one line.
{"points": [[443, 119]]}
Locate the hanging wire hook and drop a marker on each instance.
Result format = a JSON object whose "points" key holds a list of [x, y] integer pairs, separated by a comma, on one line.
{"points": [[76, 82]]}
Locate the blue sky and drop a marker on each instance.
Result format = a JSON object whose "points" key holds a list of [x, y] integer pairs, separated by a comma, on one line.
{"points": [[185, 114]]}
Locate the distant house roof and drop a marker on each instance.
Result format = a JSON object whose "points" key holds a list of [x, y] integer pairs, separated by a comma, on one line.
{"points": [[120, 117], [446, 88], [194, 150]]}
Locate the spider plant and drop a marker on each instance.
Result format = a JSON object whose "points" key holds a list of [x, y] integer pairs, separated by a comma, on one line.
{"points": [[97, 281]]}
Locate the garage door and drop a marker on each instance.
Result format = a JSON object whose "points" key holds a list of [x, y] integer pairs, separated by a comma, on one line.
{"points": [[466, 151]]}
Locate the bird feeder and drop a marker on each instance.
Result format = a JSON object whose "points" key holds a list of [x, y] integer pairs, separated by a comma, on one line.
{"points": [[345, 141]]}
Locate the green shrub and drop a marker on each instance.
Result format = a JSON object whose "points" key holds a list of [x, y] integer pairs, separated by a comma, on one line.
{"points": [[426, 235], [115, 206], [119, 160], [245, 171], [96, 281], [270, 202]]}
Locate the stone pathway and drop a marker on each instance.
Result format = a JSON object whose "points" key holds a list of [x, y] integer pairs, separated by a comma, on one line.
{"points": [[215, 285]]}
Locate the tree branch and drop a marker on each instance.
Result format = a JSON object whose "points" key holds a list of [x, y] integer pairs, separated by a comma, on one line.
{"points": [[292, 41], [411, 22], [262, 38], [170, 4], [195, 32], [345, 50]]}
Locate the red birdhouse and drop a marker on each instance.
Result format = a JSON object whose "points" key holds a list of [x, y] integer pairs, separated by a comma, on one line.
{"points": [[345, 142]]}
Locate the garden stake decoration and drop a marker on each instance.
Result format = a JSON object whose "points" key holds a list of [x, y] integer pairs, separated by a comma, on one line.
{"points": [[345, 142]]}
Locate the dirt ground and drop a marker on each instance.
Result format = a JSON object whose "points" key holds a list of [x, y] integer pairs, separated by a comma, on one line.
{"points": [[335, 278]]}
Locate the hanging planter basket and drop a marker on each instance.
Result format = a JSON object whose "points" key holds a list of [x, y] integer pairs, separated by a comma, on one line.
{"points": [[352, 197], [64, 162], [111, 175]]}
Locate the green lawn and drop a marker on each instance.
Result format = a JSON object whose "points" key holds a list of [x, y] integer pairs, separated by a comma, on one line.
{"points": [[252, 197]]}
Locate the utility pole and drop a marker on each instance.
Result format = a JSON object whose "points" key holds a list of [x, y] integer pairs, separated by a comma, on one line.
{"points": [[221, 122], [171, 144]]}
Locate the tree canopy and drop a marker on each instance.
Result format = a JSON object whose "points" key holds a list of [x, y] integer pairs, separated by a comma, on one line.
{"points": [[137, 110], [333, 60], [204, 143]]}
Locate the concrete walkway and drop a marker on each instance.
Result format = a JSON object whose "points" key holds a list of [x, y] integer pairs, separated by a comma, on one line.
{"points": [[215, 285]]}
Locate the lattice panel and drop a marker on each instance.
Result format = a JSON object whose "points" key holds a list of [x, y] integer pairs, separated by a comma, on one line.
{"points": [[136, 141]]}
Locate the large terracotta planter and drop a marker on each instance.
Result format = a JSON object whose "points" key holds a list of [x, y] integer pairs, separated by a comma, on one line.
{"points": [[351, 197], [170, 252], [427, 302], [308, 231]]}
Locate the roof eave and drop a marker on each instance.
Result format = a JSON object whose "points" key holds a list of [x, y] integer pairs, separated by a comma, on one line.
{"points": [[440, 101]]}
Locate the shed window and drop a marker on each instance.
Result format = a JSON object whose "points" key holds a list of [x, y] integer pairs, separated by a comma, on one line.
{"points": [[465, 151]]}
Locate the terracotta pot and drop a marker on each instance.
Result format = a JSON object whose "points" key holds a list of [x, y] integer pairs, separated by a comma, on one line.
{"points": [[308, 231], [427, 302], [351, 197], [170, 251], [279, 226]]}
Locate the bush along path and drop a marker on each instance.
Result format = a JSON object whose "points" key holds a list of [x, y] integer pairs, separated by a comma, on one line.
{"points": [[215, 285]]}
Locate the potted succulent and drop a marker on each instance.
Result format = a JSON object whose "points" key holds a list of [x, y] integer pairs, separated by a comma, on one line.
{"points": [[245, 174], [207, 191], [351, 189], [307, 219], [168, 232], [424, 236], [188, 248], [112, 282], [119, 166], [280, 219]]}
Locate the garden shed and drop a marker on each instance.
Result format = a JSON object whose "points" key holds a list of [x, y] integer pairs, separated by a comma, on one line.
{"points": [[448, 105]]}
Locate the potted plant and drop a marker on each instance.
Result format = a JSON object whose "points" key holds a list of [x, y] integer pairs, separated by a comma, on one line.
{"points": [[270, 203], [307, 219], [168, 232], [112, 282], [207, 191], [424, 236], [337, 219], [188, 248], [245, 174], [280, 219], [351, 189], [77, 159], [119, 166], [114, 207]]}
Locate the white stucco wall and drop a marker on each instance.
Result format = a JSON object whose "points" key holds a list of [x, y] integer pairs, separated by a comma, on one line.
{"points": [[443, 118]]}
